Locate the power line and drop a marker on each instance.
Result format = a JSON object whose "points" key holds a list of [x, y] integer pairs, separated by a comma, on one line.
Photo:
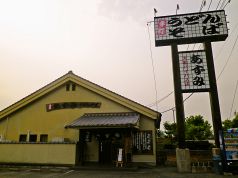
{"points": [[218, 4], [228, 59], [207, 10], [152, 62], [226, 4], [188, 97], [209, 5], [220, 51], [167, 110], [233, 98], [223, 2], [174, 107], [160, 100], [202, 5]]}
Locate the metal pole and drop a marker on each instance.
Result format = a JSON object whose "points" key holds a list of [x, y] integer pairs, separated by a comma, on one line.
{"points": [[180, 118], [214, 101], [215, 107]]}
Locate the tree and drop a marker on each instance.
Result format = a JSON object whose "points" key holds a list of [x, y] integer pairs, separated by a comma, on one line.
{"points": [[233, 123], [170, 129], [160, 134], [197, 129], [226, 124]]}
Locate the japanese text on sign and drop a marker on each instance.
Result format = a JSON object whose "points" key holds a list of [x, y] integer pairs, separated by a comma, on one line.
{"points": [[142, 142], [188, 28], [193, 71]]}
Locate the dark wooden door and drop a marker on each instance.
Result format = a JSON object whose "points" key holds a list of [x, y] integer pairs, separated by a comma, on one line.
{"points": [[105, 152]]}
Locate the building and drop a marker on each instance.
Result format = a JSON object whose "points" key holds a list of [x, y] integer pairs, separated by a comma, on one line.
{"points": [[72, 121]]}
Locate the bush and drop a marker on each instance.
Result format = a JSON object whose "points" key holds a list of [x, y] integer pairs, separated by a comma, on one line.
{"points": [[198, 145], [170, 146]]}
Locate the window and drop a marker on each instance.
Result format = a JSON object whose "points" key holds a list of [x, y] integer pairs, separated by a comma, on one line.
{"points": [[22, 138], [43, 138], [70, 87], [33, 138], [73, 87], [67, 87]]}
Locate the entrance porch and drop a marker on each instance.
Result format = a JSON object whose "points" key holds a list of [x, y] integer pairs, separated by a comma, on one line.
{"points": [[105, 146], [105, 138]]}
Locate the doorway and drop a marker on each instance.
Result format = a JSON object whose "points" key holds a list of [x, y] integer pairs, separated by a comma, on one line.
{"points": [[105, 152]]}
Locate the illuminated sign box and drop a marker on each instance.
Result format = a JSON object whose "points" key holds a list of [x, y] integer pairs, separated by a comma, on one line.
{"points": [[193, 71], [190, 28]]}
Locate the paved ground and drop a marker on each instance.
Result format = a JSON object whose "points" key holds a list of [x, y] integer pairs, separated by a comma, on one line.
{"points": [[160, 172]]}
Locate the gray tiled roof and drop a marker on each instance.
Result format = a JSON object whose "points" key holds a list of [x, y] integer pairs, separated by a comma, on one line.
{"points": [[106, 120]]}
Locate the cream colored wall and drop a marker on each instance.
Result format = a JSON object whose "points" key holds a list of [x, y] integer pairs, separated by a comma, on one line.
{"points": [[38, 153], [147, 124], [35, 119]]}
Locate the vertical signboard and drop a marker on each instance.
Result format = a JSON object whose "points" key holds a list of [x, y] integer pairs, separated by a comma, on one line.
{"points": [[193, 71], [142, 142]]}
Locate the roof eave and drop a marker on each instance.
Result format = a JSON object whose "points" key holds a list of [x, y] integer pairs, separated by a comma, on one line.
{"points": [[103, 126]]}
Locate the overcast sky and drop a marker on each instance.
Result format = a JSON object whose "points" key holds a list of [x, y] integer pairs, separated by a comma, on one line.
{"points": [[106, 42]]}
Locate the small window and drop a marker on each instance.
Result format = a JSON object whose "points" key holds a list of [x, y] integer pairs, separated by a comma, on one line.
{"points": [[22, 138], [73, 87], [67, 87], [33, 138], [43, 138]]}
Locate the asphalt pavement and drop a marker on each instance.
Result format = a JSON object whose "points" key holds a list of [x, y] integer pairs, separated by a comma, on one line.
{"points": [[55, 172]]}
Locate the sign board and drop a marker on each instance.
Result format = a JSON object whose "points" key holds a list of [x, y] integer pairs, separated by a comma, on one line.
{"points": [[142, 142], [193, 71], [119, 158], [190, 28], [71, 105]]}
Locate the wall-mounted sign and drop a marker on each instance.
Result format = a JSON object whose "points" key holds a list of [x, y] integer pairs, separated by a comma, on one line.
{"points": [[193, 71], [190, 28], [72, 105], [142, 142]]}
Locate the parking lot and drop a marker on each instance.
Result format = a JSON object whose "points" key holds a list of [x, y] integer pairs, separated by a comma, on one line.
{"points": [[161, 172]]}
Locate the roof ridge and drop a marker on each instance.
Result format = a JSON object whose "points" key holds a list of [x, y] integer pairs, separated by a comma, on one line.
{"points": [[111, 114], [70, 72]]}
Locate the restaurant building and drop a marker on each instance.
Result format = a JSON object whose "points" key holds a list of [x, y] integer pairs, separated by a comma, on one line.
{"points": [[73, 121]]}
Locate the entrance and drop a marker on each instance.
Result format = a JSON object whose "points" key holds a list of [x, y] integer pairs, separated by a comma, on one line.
{"points": [[102, 145], [109, 146], [105, 152]]}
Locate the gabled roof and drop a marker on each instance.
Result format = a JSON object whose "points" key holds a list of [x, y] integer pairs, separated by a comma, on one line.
{"points": [[70, 76]]}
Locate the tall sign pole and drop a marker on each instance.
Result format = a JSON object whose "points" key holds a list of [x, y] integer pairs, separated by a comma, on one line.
{"points": [[215, 107], [180, 118], [193, 71]]}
